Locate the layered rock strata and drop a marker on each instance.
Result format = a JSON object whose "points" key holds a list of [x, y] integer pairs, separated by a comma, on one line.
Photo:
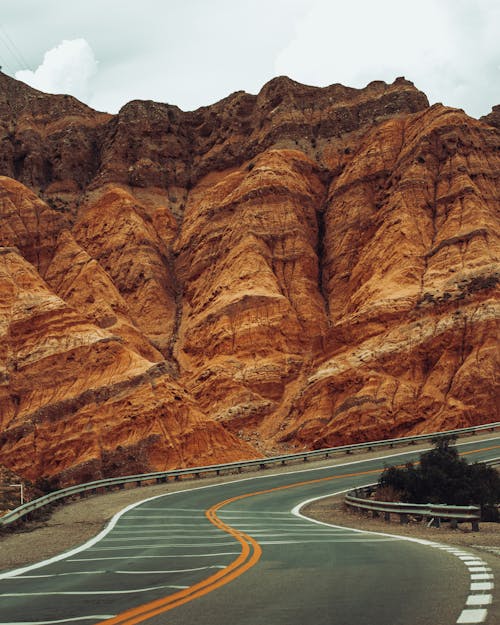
{"points": [[296, 269]]}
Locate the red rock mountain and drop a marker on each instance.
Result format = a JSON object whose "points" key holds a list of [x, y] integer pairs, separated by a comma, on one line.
{"points": [[297, 269]]}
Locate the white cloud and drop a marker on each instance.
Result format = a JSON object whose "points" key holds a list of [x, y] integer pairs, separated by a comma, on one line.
{"points": [[67, 68]]}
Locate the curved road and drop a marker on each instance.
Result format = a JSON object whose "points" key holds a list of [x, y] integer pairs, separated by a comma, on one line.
{"points": [[237, 553]]}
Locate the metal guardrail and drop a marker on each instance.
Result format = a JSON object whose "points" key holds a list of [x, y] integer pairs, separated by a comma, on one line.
{"points": [[434, 512], [261, 463]]}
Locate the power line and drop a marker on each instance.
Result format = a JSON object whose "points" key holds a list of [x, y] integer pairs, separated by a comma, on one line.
{"points": [[13, 49]]}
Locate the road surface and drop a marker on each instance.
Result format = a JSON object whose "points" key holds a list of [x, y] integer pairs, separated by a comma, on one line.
{"points": [[237, 554]]}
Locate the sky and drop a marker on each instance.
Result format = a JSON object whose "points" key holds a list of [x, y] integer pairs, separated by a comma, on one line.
{"points": [[192, 53]]}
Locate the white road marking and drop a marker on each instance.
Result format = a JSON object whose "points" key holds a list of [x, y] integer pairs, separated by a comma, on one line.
{"points": [[190, 555], [472, 616], [163, 537], [479, 569], [161, 516], [302, 542], [158, 531], [159, 508], [88, 592], [473, 563], [199, 568], [156, 546], [478, 576], [479, 599], [482, 586], [124, 527], [64, 620], [62, 574]]}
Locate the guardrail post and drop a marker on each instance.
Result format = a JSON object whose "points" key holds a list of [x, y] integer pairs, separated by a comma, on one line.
{"points": [[387, 517], [138, 483], [262, 465], [475, 525], [305, 458], [403, 518]]}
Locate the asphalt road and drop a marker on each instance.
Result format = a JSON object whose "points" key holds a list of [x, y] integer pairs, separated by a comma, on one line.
{"points": [[236, 554]]}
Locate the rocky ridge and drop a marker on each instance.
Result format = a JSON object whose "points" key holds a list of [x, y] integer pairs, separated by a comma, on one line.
{"points": [[299, 268]]}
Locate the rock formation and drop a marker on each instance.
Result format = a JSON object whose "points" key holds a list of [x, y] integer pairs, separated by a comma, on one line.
{"points": [[301, 268]]}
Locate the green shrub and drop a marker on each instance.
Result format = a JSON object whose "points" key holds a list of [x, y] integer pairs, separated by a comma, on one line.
{"points": [[443, 477]]}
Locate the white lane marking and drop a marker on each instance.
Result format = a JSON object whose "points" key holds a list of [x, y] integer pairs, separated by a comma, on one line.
{"points": [[88, 592], [472, 616], [190, 555], [479, 569], [157, 546], [165, 536], [478, 576], [62, 574], [282, 526], [302, 542], [161, 516], [479, 599], [324, 535], [198, 568], [64, 620], [124, 527], [482, 586], [158, 531], [160, 536], [467, 615], [159, 508], [118, 515], [467, 557]]}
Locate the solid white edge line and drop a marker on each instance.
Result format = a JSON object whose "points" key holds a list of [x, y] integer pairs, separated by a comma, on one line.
{"points": [[467, 615], [118, 515]]}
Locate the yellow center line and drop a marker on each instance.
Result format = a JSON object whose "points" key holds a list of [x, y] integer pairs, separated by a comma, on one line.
{"points": [[250, 554]]}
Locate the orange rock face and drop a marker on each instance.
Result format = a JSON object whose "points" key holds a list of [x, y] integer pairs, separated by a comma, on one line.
{"points": [[300, 268]]}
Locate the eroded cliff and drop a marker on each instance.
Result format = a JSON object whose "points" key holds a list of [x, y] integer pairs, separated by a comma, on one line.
{"points": [[299, 268]]}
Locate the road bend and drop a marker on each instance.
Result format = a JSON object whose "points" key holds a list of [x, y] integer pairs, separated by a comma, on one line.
{"points": [[235, 554]]}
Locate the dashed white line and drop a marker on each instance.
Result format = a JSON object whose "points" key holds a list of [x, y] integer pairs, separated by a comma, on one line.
{"points": [[479, 599], [481, 586], [472, 616]]}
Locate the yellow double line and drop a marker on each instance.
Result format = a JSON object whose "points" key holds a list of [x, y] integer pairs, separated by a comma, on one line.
{"points": [[249, 556]]}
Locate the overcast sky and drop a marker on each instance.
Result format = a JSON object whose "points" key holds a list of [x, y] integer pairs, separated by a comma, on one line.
{"points": [[194, 52]]}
